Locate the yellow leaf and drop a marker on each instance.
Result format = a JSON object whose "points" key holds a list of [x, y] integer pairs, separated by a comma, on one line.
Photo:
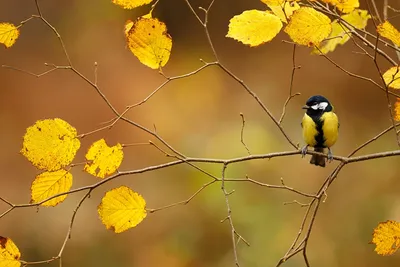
{"points": [[9, 253], [344, 6], [48, 184], [386, 29], [129, 4], [358, 18], [8, 34], [386, 237], [149, 41], [308, 26], [340, 34], [103, 160], [121, 209], [276, 7], [50, 144], [254, 27], [397, 110], [392, 77]]}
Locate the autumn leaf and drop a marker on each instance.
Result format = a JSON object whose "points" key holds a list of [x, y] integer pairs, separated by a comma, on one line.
{"points": [[340, 34], [386, 29], [8, 34], [9, 253], [121, 209], [50, 144], [283, 9], [254, 27], [358, 18], [308, 26], [345, 6], [386, 237], [392, 77], [149, 41], [130, 4], [48, 184], [397, 110], [103, 160]]}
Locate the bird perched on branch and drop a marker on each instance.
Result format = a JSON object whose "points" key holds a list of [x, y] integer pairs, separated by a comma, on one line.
{"points": [[320, 128]]}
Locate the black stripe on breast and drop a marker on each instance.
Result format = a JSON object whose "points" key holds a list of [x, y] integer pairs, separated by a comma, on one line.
{"points": [[319, 138]]}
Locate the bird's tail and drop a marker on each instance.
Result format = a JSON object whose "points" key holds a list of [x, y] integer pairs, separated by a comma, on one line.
{"points": [[316, 159]]}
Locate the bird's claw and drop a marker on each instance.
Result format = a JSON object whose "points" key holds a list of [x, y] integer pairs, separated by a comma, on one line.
{"points": [[304, 151], [330, 155]]}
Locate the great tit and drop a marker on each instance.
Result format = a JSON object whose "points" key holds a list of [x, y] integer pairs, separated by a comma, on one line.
{"points": [[320, 128]]}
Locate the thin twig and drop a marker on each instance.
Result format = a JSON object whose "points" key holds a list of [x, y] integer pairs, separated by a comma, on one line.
{"points": [[229, 216], [241, 133], [290, 96], [184, 202]]}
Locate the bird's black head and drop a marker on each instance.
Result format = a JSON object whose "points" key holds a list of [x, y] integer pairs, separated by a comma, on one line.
{"points": [[317, 104]]}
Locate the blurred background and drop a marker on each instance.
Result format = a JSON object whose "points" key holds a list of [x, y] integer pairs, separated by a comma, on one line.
{"points": [[198, 116]]}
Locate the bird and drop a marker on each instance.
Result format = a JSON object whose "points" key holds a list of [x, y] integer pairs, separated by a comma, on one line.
{"points": [[320, 128]]}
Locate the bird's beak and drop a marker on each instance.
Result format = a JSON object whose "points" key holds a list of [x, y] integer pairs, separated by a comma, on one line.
{"points": [[305, 107]]}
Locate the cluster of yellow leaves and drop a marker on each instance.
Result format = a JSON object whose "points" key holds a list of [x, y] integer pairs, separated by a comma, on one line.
{"points": [[8, 34], [345, 6], [9, 253], [340, 34], [51, 145], [306, 26], [386, 237]]}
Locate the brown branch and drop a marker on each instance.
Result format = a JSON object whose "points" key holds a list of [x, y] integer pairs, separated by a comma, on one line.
{"points": [[283, 186], [344, 160]]}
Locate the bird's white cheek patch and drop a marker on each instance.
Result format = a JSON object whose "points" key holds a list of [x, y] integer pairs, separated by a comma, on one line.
{"points": [[315, 107], [323, 105]]}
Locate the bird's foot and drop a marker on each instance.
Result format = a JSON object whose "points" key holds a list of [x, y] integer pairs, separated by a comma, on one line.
{"points": [[304, 151], [330, 155]]}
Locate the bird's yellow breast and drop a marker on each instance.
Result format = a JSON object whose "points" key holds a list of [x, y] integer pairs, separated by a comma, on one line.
{"points": [[309, 130], [330, 128], [327, 135]]}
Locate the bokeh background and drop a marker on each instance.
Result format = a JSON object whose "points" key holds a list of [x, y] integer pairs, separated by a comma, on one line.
{"points": [[198, 116]]}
